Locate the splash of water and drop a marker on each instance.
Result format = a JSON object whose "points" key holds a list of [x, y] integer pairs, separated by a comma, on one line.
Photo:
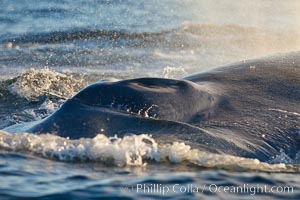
{"points": [[35, 83], [129, 150]]}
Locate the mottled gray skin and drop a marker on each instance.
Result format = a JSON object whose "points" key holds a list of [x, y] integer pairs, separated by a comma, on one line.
{"points": [[248, 109]]}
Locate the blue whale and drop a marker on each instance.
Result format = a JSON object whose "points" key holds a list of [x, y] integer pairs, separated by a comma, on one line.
{"points": [[248, 109]]}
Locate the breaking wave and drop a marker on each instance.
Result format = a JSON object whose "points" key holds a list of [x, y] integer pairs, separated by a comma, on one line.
{"points": [[135, 150]]}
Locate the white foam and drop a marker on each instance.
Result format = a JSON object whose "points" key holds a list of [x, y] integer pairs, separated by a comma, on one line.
{"points": [[35, 83], [129, 150], [119, 151]]}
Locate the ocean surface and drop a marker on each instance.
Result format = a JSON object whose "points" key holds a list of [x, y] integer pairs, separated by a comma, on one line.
{"points": [[49, 50]]}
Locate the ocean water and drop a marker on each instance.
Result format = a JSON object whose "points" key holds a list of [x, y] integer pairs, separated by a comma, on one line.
{"points": [[49, 50]]}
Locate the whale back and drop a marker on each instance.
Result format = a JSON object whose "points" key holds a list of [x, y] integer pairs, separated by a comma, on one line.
{"points": [[248, 109], [157, 98], [263, 103]]}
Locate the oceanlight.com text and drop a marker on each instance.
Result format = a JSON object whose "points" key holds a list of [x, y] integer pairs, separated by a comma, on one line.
{"points": [[247, 189]]}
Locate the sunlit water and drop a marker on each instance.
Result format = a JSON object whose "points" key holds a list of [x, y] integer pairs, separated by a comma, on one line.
{"points": [[49, 50]]}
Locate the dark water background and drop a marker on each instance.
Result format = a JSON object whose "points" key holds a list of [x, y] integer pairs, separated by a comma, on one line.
{"points": [[49, 50]]}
